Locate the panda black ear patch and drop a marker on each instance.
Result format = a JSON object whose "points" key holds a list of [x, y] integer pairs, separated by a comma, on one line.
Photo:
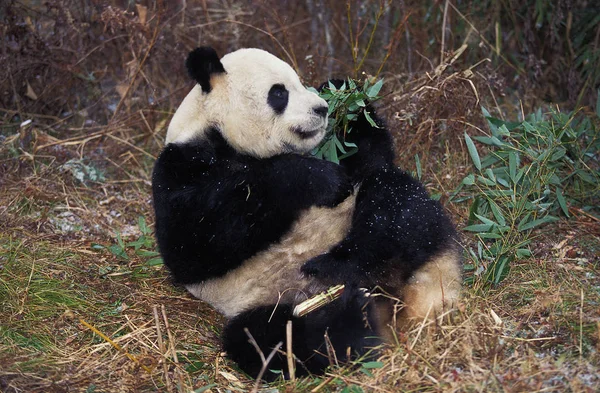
{"points": [[201, 63]]}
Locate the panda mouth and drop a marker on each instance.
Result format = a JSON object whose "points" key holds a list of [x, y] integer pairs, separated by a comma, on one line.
{"points": [[306, 134]]}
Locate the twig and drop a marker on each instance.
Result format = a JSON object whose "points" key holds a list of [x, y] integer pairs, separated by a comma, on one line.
{"points": [[331, 355], [183, 7], [519, 70], [392, 44], [322, 384], [352, 46], [172, 347], [27, 288], [444, 31], [581, 326], [371, 37], [289, 352], [265, 362], [284, 29], [76, 139], [287, 54], [115, 345], [161, 346], [137, 71], [132, 146]]}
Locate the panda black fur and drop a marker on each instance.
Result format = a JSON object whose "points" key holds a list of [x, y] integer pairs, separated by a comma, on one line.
{"points": [[250, 224]]}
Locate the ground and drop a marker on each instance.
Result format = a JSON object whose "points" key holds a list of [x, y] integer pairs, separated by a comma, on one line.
{"points": [[86, 306]]}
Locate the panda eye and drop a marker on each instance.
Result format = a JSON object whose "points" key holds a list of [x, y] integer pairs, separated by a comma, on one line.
{"points": [[278, 98]]}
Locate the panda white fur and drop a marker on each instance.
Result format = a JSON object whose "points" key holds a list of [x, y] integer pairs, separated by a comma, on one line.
{"points": [[249, 223]]}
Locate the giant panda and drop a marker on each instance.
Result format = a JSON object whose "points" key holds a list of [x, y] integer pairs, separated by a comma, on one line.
{"points": [[248, 221]]}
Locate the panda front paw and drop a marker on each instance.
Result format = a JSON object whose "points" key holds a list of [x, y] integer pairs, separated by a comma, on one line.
{"points": [[335, 186], [328, 269]]}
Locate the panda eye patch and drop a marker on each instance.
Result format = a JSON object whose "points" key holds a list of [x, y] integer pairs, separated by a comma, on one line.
{"points": [[278, 98]]}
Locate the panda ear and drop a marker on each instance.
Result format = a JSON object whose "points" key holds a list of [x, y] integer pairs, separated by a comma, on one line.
{"points": [[201, 63]]}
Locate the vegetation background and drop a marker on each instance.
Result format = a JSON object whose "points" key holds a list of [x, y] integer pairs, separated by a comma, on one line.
{"points": [[87, 89]]}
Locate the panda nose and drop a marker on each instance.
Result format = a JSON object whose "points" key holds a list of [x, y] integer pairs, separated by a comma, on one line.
{"points": [[320, 111]]}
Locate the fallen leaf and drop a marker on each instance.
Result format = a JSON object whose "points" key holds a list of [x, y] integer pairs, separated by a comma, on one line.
{"points": [[142, 12], [30, 93]]}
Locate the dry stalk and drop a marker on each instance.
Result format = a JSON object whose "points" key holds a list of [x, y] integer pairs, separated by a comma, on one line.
{"points": [[172, 347], [322, 384], [331, 355], [289, 352], [287, 54], [445, 20], [161, 346], [115, 345], [25, 295], [137, 71], [265, 361], [581, 325], [132, 146]]}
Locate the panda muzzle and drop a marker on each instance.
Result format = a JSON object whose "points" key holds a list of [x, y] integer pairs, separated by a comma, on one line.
{"points": [[306, 134]]}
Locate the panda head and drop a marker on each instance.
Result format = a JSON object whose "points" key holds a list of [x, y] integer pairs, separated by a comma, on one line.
{"points": [[255, 99]]}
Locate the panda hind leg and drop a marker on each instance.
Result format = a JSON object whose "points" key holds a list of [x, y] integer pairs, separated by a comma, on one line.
{"points": [[319, 339]]}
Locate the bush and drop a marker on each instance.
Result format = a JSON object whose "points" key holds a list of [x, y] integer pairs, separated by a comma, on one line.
{"points": [[534, 171]]}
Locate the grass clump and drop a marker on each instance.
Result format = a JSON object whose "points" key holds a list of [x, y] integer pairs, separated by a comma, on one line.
{"points": [[534, 171], [144, 247]]}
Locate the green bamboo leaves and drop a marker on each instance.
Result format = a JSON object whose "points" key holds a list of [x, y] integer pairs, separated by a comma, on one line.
{"points": [[532, 172], [346, 104]]}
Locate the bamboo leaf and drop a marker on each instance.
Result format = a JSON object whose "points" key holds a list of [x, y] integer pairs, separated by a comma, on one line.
{"points": [[418, 165], [478, 228], [512, 165], [146, 253], [154, 262], [523, 253], [485, 220], [501, 181], [374, 90], [370, 365], [469, 180], [473, 151], [502, 130], [562, 202], [489, 235], [496, 212], [501, 269], [538, 222], [493, 141], [370, 120]]}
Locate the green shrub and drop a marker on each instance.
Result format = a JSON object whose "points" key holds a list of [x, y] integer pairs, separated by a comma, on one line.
{"points": [[144, 247], [533, 172]]}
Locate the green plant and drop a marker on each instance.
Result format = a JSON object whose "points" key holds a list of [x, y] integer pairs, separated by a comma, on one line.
{"points": [[143, 247], [83, 172], [533, 172], [346, 104]]}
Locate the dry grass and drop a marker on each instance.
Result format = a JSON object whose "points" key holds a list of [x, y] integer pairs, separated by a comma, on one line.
{"points": [[73, 318]]}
